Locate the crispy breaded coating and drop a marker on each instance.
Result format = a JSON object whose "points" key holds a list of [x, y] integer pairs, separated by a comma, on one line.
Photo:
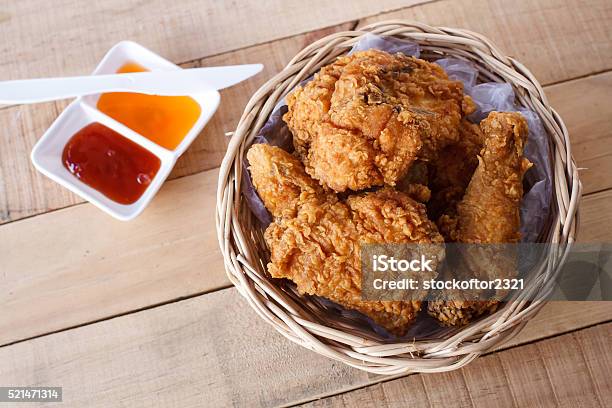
{"points": [[388, 215], [450, 174], [318, 247], [459, 312], [418, 192], [488, 214], [364, 119], [280, 180], [489, 210]]}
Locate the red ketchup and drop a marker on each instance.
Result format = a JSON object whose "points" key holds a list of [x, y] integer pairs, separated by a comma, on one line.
{"points": [[110, 163]]}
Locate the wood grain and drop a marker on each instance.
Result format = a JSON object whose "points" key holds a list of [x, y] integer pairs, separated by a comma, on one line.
{"points": [[549, 373], [24, 192], [210, 350], [560, 317], [568, 372], [595, 222], [528, 380], [450, 389], [556, 39], [586, 107], [595, 350], [110, 267], [77, 261], [185, 30]]}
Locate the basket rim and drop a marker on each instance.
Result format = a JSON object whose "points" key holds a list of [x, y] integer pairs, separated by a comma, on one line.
{"points": [[284, 314]]}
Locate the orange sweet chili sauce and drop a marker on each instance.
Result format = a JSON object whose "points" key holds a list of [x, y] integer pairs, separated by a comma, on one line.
{"points": [[165, 120], [110, 163]]}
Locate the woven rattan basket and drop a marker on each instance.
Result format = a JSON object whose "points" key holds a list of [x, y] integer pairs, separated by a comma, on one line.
{"points": [[308, 323]]}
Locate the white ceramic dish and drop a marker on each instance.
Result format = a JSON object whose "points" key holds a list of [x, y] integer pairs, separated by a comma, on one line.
{"points": [[47, 153]]}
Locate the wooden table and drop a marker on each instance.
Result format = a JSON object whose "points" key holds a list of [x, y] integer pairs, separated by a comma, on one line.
{"points": [[142, 314]]}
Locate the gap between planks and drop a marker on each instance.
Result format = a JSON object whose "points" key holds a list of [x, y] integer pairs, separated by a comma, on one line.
{"points": [[183, 298], [181, 31], [337, 23], [202, 61], [193, 295]]}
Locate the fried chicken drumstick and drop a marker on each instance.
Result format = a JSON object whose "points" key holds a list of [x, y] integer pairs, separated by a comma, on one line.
{"points": [[488, 213], [315, 238], [365, 118]]}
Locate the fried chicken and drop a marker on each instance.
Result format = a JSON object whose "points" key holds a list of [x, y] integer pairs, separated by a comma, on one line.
{"points": [[489, 210], [315, 237], [488, 213], [376, 119], [451, 172], [365, 118], [280, 180]]}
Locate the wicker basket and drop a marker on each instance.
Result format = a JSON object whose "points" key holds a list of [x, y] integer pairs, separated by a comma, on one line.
{"points": [[307, 322]]}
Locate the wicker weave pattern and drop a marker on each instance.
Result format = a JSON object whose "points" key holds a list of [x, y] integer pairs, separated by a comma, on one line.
{"points": [[306, 322]]}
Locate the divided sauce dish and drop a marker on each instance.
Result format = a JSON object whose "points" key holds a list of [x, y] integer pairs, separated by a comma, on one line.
{"points": [[47, 155]]}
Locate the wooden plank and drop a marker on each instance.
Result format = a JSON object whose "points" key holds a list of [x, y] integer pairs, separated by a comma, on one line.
{"points": [[88, 279], [595, 222], [408, 393], [596, 353], [363, 400], [455, 389], [550, 37], [180, 369], [487, 383], [25, 192], [527, 376], [210, 348], [413, 393], [560, 317], [586, 108], [65, 267], [568, 372], [544, 374], [446, 389], [82, 31]]}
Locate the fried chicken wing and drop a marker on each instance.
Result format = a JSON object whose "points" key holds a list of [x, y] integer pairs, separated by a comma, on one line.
{"points": [[488, 213], [364, 119], [316, 243]]}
